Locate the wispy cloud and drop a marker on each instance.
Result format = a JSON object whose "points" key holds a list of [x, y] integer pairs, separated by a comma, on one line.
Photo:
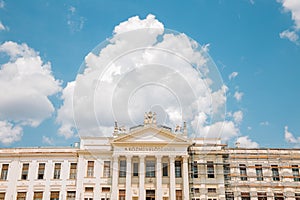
{"points": [[232, 75], [289, 137], [2, 27], [246, 142], [238, 95], [290, 35], [47, 140], [75, 22], [2, 4], [264, 123]]}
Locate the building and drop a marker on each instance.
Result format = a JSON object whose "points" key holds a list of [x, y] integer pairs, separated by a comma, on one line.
{"points": [[149, 162]]}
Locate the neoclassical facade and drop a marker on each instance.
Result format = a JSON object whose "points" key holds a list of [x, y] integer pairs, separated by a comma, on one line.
{"points": [[149, 162]]}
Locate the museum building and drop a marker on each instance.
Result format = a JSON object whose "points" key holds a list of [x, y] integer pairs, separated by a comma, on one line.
{"points": [[149, 162]]}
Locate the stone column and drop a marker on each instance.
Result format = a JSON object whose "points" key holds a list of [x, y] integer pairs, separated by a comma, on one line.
{"points": [[172, 178], [185, 178], [142, 178], [128, 177], [158, 177], [115, 177]]}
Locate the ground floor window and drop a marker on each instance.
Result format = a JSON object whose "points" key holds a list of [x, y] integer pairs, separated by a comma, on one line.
{"points": [[121, 194], [71, 195], [2, 196], [150, 194], [245, 195], [278, 196], [229, 196], [261, 196], [178, 195]]}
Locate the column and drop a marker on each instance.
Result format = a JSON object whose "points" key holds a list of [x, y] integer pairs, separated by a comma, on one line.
{"points": [[142, 178], [185, 178], [128, 177], [115, 177], [172, 178], [158, 191]]}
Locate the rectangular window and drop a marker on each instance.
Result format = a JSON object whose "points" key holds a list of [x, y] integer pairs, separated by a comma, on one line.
{"points": [[89, 189], [295, 171], [150, 168], [165, 169], [2, 195], [38, 196], [54, 195], [71, 195], [210, 169], [261, 196], [4, 171], [259, 173], [90, 169], [211, 190], [243, 172], [21, 196], [24, 171], [73, 171], [105, 189], [229, 196], [57, 168], [195, 169], [41, 170], [177, 169], [106, 169], [297, 196], [278, 196], [275, 173], [122, 172], [245, 196], [178, 195], [135, 169], [121, 194]]}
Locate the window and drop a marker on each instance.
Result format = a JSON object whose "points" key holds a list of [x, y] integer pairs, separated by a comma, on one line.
{"points": [[150, 169], [229, 196], [88, 198], [259, 173], [105, 189], [295, 171], [261, 196], [278, 196], [4, 172], [24, 171], [121, 194], [106, 169], [211, 190], [38, 196], [2, 196], [57, 168], [135, 169], [297, 196], [122, 172], [54, 195], [245, 196], [178, 195], [243, 172], [71, 195], [21, 196], [41, 171], [210, 169], [90, 169], [89, 189], [165, 169], [195, 169], [275, 173], [177, 169], [73, 170]]}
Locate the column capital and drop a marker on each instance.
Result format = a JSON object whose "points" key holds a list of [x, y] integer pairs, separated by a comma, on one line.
{"points": [[115, 157], [158, 157], [185, 158], [128, 157], [142, 157], [172, 157]]}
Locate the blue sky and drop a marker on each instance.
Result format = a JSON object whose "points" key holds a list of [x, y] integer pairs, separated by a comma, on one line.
{"points": [[256, 42]]}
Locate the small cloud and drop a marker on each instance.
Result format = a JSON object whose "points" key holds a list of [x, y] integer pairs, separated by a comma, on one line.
{"points": [[265, 123], [238, 95], [252, 2], [238, 117], [232, 75], [47, 140], [2, 4], [74, 21], [290, 35], [289, 137], [72, 9], [249, 128], [246, 142], [2, 27], [9, 133]]}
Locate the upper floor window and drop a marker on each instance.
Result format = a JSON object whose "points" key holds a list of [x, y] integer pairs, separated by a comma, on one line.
{"points": [[135, 169], [177, 169], [41, 170], [150, 168], [122, 172], [21, 196], [54, 195], [195, 169], [278, 196], [165, 169], [2, 195], [38, 196], [90, 169], [297, 196], [275, 173], [106, 169], [57, 168], [245, 196], [73, 170], [4, 171], [261, 196], [210, 169], [295, 170], [24, 171], [71, 195], [243, 172], [259, 173]]}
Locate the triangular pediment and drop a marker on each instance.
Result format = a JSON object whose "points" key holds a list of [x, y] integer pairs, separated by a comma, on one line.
{"points": [[150, 134]]}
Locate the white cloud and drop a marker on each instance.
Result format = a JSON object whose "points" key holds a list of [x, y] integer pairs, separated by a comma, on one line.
{"points": [[47, 140], [238, 117], [246, 142], [26, 83], [264, 123], [75, 22], [232, 75], [289, 137], [140, 68], [9, 133], [238, 95], [2, 27], [290, 35], [2, 4]]}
